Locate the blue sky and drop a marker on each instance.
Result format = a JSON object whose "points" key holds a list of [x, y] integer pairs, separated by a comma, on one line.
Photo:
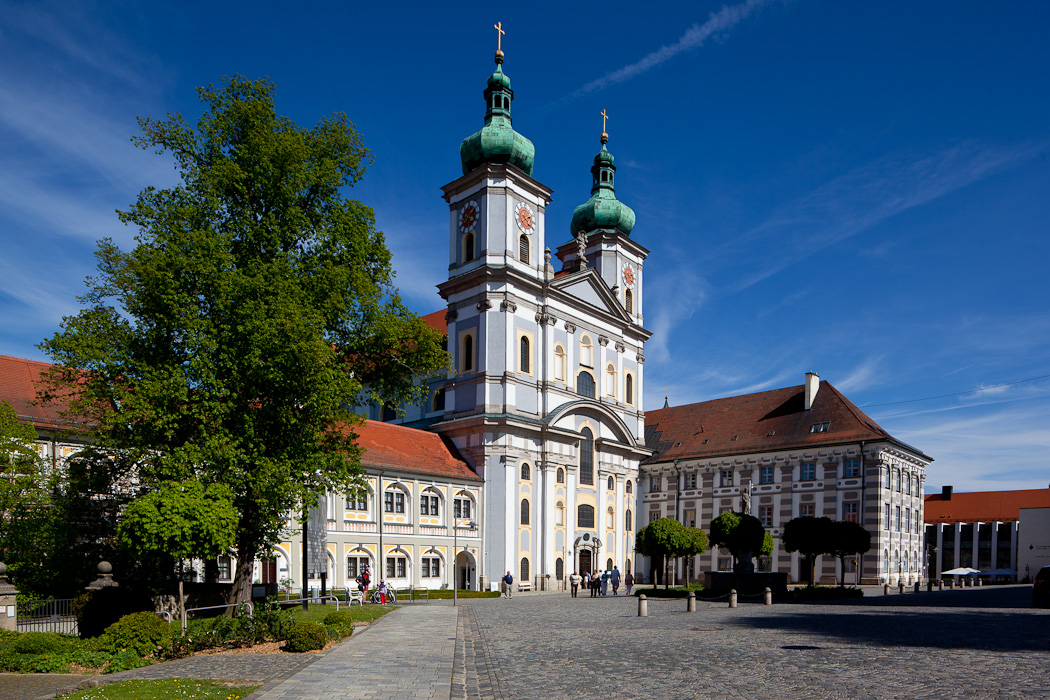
{"points": [[858, 189]]}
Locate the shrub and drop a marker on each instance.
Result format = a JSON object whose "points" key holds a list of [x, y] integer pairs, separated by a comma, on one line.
{"points": [[342, 620], [333, 633], [307, 636], [106, 606], [141, 633], [39, 643]]}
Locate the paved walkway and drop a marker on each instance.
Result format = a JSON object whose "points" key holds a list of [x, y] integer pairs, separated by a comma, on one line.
{"points": [[406, 655]]}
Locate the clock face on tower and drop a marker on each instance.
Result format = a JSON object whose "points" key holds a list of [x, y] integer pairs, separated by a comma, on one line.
{"points": [[628, 275], [523, 216], [468, 216]]}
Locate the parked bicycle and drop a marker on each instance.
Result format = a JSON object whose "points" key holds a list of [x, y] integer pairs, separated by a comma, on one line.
{"points": [[376, 598]]}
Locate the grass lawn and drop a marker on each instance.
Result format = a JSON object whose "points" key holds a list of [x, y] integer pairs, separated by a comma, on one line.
{"points": [[360, 613], [173, 689]]}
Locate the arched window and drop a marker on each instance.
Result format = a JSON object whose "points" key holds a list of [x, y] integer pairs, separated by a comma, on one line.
{"points": [[559, 569], [523, 360], [559, 363], [586, 351], [585, 385], [585, 516], [524, 511], [610, 380], [523, 248], [559, 514], [524, 569], [466, 361], [587, 459], [885, 561], [628, 389], [526, 473], [629, 487], [429, 500], [628, 301], [560, 475], [468, 247], [608, 564], [612, 483], [627, 524]]}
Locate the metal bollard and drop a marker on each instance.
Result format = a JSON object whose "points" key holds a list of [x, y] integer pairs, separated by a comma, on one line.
{"points": [[885, 589], [916, 586], [690, 604], [768, 600], [900, 588], [643, 606], [929, 586], [980, 582], [732, 598], [940, 584]]}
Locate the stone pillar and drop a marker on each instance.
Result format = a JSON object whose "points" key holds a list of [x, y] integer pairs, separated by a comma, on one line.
{"points": [[105, 578], [8, 604]]}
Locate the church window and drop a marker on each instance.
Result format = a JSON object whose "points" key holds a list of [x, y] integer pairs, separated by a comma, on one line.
{"points": [[628, 487], [524, 569], [466, 357], [523, 351], [526, 473], [525, 511], [587, 457], [627, 523], [610, 380], [585, 385], [439, 400], [585, 516], [612, 483], [608, 564], [628, 393], [628, 301], [468, 247], [462, 506], [523, 248], [561, 475], [559, 363], [586, 351], [559, 568]]}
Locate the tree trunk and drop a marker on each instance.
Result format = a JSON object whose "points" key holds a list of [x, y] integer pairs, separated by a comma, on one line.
{"points": [[242, 578]]}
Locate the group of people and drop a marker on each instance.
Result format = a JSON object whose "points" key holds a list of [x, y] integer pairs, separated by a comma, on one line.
{"points": [[364, 580], [598, 582]]}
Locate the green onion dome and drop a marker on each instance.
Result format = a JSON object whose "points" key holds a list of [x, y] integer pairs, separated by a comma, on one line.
{"points": [[603, 210], [497, 142]]}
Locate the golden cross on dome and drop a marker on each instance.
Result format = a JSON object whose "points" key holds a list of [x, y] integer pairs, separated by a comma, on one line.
{"points": [[604, 118], [499, 37]]}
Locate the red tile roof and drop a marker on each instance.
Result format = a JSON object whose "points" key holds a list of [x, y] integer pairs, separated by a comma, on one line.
{"points": [[437, 321], [18, 387], [762, 422], [983, 506], [389, 446]]}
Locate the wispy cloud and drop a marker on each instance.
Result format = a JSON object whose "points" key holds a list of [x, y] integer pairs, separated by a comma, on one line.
{"points": [[867, 374], [861, 199], [717, 24]]}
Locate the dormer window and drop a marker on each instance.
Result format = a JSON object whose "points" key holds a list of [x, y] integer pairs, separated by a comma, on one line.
{"points": [[820, 427]]}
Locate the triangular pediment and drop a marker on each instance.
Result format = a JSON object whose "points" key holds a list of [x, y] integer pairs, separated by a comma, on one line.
{"points": [[587, 286]]}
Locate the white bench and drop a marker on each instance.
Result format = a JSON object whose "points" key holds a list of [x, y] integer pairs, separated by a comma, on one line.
{"points": [[355, 596], [525, 586]]}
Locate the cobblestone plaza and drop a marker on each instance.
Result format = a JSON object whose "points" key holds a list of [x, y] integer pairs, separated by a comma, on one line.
{"points": [[973, 643]]}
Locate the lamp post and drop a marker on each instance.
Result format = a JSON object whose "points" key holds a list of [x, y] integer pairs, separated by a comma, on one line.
{"points": [[455, 555]]}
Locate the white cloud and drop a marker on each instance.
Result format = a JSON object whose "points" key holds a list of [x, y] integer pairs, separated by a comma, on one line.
{"points": [[868, 373]]}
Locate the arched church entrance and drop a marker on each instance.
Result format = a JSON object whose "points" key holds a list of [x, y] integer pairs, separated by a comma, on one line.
{"points": [[585, 561], [465, 572]]}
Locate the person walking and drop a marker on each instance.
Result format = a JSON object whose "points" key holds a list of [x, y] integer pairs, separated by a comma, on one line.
{"points": [[614, 577], [628, 581], [605, 582], [585, 581], [508, 583], [574, 580], [596, 584]]}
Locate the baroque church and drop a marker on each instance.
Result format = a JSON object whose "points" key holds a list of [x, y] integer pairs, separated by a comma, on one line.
{"points": [[534, 455]]}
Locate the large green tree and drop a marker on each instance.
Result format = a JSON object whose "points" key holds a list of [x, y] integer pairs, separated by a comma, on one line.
{"points": [[744, 536], [848, 539], [666, 539], [257, 308], [809, 536]]}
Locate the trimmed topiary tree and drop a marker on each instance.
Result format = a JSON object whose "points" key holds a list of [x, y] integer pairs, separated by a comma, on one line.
{"points": [[307, 636], [744, 536]]}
